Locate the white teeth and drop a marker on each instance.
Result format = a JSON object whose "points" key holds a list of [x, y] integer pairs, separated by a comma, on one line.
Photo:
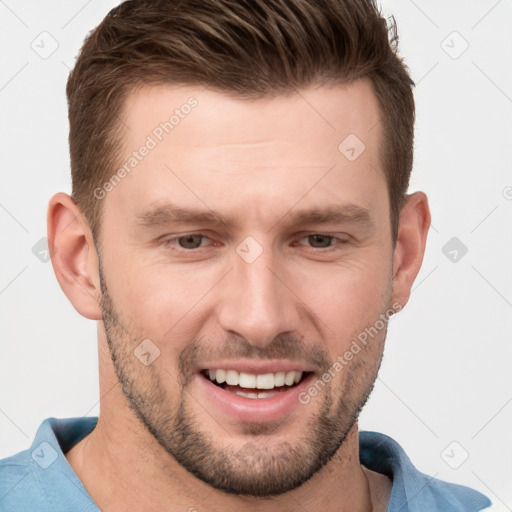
{"points": [[265, 381], [246, 395], [252, 381], [253, 395], [279, 378], [247, 380], [267, 394], [232, 377], [289, 378], [220, 376]]}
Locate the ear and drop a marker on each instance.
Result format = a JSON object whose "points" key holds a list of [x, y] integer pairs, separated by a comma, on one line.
{"points": [[74, 260], [410, 245]]}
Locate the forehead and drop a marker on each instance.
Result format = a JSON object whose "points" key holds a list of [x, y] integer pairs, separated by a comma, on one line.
{"points": [[217, 119], [204, 148]]}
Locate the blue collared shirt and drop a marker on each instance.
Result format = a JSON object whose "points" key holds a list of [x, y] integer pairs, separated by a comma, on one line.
{"points": [[41, 480]]}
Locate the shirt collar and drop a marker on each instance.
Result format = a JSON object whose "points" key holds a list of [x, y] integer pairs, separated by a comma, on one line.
{"points": [[61, 485], [414, 491]]}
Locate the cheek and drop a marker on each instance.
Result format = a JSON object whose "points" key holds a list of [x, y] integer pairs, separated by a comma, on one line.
{"points": [[347, 298], [163, 302]]}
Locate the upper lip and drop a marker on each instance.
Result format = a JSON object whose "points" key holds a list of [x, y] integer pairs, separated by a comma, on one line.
{"points": [[257, 367]]}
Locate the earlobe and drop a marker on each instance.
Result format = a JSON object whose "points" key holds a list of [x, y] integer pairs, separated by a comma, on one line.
{"points": [[410, 245], [75, 261]]}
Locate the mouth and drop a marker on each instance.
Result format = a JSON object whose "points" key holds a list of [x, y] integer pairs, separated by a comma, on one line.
{"points": [[253, 393], [255, 386]]}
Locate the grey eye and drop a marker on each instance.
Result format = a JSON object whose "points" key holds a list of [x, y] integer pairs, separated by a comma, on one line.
{"points": [[190, 241], [320, 241]]}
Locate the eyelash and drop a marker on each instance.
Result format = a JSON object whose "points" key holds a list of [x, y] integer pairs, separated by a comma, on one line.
{"points": [[168, 242]]}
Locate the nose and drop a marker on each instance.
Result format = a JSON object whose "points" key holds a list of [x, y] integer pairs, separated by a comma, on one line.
{"points": [[258, 302]]}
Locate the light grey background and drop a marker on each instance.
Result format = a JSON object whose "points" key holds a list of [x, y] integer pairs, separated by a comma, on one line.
{"points": [[444, 391]]}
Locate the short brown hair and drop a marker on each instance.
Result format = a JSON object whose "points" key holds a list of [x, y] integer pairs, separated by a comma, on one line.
{"points": [[246, 48]]}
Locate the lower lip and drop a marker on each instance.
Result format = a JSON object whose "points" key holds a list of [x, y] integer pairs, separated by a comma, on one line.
{"points": [[254, 410]]}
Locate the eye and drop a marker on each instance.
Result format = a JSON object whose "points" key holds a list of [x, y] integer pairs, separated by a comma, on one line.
{"points": [[186, 242], [321, 242]]}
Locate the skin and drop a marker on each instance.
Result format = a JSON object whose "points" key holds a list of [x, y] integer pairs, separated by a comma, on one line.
{"points": [[254, 162]]}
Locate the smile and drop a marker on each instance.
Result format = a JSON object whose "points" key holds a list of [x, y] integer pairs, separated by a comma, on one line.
{"points": [[254, 393], [264, 385]]}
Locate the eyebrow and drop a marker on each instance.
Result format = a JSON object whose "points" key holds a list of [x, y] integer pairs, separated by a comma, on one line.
{"points": [[169, 213], [332, 214]]}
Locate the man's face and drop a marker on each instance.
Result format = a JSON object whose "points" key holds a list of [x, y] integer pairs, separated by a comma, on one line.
{"points": [[262, 284]]}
